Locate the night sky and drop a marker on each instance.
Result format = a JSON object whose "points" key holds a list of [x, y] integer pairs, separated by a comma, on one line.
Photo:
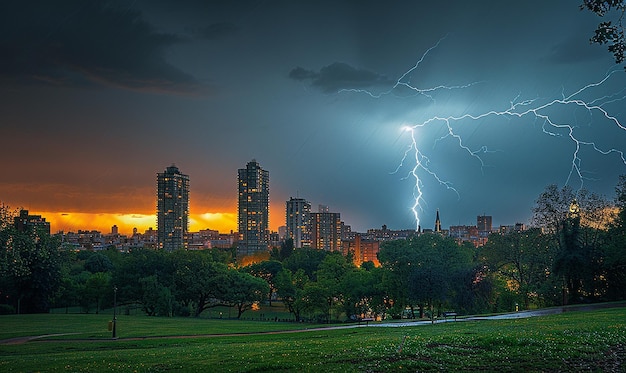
{"points": [[98, 97]]}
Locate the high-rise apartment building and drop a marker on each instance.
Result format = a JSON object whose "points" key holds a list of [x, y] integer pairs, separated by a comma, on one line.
{"points": [[172, 208], [298, 222], [253, 209], [326, 230]]}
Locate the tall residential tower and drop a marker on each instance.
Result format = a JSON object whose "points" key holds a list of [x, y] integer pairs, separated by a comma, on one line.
{"points": [[298, 222], [172, 208], [253, 209]]}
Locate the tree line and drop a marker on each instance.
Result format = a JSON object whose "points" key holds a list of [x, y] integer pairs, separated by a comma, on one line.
{"points": [[575, 252]]}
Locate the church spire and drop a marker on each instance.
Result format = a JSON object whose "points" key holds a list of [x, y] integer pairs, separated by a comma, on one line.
{"points": [[437, 223]]}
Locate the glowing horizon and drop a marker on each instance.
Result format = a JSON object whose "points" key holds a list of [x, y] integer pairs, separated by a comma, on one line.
{"points": [[224, 222], [103, 222]]}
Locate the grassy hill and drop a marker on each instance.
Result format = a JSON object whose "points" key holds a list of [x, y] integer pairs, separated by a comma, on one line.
{"points": [[572, 341]]}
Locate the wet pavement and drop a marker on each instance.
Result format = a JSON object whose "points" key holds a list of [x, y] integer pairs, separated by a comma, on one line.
{"points": [[508, 316]]}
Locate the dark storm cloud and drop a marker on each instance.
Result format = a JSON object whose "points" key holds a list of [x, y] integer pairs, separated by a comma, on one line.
{"points": [[337, 76], [216, 31], [576, 48], [87, 42]]}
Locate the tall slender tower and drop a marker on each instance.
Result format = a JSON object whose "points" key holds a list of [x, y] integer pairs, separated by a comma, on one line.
{"points": [[172, 208], [437, 223], [253, 209], [298, 221]]}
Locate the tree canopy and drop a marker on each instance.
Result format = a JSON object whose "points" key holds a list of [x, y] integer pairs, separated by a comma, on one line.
{"points": [[609, 32]]}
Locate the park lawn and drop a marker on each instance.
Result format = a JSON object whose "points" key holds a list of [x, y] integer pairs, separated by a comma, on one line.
{"points": [[89, 326], [573, 341]]}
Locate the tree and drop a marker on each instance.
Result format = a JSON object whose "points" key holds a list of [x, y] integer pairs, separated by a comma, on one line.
{"points": [[266, 270], [30, 270], [98, 263], [614, 251], [578, 239], [396, 258], [138, 264], [97, 287], [306, 259], [67, 294], [420, 270], [522, 259], [199, 282], [428, 284], [290, 288], [316, 300], [244, 290], [571, 261], [157, 300], [330, 275], [359, 290], [551, 208], [473, 290], [607, 32], [437, 263]]}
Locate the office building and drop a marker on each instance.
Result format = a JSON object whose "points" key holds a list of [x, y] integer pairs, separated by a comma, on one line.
{"points": [[253, 209], [172, 208]]}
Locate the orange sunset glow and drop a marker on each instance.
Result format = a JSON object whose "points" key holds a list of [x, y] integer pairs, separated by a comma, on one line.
{"points": [[224, 222], [74, 221]]}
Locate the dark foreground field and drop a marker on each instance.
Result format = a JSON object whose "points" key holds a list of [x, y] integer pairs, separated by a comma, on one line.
{"points": [[571, 341]]}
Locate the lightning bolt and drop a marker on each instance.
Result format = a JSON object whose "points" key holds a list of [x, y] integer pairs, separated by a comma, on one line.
{"points": [[536, 109]]}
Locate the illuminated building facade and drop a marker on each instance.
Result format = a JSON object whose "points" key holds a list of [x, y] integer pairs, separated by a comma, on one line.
{"points": [[172, 208], [253, 209], [298, 222], [326, 230], [363, 250]]}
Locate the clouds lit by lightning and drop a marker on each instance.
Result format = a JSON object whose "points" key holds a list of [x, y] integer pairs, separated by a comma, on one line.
{"points": [[536, 110]]}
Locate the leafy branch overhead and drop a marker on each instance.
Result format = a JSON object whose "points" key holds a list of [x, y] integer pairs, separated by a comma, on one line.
{"points": [[608, 32]]}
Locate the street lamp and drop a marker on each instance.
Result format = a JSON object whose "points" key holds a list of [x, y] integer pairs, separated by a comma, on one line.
{"points": [[114, 311]]}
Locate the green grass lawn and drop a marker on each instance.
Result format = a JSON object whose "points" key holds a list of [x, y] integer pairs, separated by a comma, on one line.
{"points": [[573, 341]]}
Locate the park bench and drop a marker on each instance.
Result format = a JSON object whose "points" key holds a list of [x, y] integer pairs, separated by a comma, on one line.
{"points": [[447, 314], [367, 320]]}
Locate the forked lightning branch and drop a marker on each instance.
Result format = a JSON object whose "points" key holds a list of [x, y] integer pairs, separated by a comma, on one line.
{"points": [[418, 162]]}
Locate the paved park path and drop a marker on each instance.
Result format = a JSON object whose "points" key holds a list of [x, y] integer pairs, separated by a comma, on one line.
{"points": [[505, 316], [514, 315]]}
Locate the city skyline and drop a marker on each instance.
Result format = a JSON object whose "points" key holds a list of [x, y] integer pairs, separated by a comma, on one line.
{"points": [[97, 96], [172, 180]]}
